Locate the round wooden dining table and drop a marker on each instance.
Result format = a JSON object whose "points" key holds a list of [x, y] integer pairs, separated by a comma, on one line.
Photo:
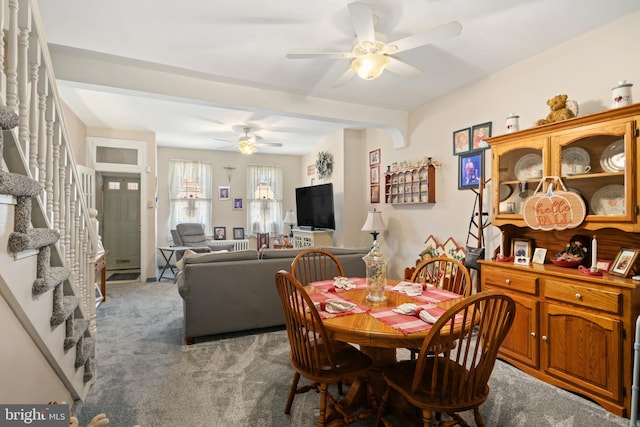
{"points": [[376, 338]]}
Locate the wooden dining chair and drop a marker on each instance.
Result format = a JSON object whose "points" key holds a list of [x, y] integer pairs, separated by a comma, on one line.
{"points": [[457, 379], [442, 272], [319, 359], [315, 264]]}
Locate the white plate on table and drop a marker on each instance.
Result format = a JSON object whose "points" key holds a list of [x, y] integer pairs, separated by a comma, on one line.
{"points": [[529, 166], [613, 157], [609, 200], [574, 156]]}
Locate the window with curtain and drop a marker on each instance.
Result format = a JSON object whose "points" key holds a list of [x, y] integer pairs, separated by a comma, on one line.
{"points": [[190, 193], [264, 200]]}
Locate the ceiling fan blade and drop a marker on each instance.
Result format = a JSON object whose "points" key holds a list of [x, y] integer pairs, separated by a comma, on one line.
{"points": [[402, 68], [320, 55], [268, 144], [344, 78], [362, 19], [224, 140], [445, 31]]}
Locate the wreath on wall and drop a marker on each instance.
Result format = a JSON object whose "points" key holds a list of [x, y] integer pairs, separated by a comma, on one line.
{"points": [[324, 164]]}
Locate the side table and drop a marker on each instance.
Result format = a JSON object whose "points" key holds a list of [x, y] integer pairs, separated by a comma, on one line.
{"points": [[167, 253], [101, 266]]}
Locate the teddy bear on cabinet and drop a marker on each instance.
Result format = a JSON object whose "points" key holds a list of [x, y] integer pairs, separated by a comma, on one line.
{"points": [[559, 110]]}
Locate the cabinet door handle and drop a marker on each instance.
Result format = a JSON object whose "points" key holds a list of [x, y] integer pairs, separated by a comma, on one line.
{"points": [[578, 296], [507, 281], [533, 334], [544, 338]]}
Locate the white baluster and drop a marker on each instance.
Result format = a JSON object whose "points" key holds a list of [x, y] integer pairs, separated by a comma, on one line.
{"points": [[12, 57], [24, 26], [35, 149]]}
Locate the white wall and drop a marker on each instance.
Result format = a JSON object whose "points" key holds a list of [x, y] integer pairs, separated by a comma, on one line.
{"points": [[585, 68], [223, 213]]}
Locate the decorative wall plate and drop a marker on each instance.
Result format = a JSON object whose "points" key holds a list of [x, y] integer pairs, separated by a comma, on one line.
{"points": [[505, 192], [609, 200]]}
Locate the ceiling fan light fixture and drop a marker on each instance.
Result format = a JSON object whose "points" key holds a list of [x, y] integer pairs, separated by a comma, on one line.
{"points": [[247, 148], [369, 66]]}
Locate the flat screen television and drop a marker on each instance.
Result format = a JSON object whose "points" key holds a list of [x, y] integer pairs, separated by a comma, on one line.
{"points": [[314, 207]]}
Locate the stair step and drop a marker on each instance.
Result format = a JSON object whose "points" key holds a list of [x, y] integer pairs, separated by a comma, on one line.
{"points": [[34, 238], [18, 185], [79, 328], [84, 350], [70, 303], [55, 276]]}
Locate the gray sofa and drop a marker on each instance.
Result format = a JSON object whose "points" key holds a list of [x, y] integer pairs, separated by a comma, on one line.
{"points": [[235, 291]]}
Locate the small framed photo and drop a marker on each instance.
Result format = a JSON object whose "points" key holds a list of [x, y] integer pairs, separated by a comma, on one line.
{"points": [[470, 170], [219, 233], [461, 141], [374, 157], [237, 203], [374, 174], [624, 262], [262, 240], [238, 233], [539, 256], [479, 135], [521, 260], [223, 193], [521, 247], [375, 194], [603, 265]]}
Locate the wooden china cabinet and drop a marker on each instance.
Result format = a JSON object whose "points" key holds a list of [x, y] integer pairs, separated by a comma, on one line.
{"points": [[572, 330]]}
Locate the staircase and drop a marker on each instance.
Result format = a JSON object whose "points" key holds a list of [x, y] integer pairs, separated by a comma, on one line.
{"points": [[47, 241]]}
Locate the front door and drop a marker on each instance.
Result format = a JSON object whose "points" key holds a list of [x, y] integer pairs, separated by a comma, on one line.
{"points": [[121, 197]]}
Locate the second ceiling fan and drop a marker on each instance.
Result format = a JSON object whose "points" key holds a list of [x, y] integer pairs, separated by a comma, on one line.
{"points": [[372, 54], [248, 144]]}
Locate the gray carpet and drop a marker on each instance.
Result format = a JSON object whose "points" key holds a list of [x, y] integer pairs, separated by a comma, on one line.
{"points": [[146, 376], [123, 276]]}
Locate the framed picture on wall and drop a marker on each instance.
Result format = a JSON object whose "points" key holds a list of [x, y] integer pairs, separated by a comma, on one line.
{"points": [[374, 157], [470, 170], [223, 193], [375, 194], [237, 203], [461, 141], [374, 174], [479, 134]]}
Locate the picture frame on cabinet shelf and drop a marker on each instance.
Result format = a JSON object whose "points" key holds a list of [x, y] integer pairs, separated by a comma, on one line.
{"points": [[521, 247], [603, 265], [539, 256], [624, 262], [374, 157], [461, 142], [374, 174], [375, 194], [470, 170], [479, 134]]}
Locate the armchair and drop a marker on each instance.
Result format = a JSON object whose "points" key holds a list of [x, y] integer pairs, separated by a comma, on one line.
{"points": [[190, 234]]}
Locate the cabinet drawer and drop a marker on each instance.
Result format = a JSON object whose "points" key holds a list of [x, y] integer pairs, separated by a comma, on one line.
{"points": [[509, 279], [599, 299]]}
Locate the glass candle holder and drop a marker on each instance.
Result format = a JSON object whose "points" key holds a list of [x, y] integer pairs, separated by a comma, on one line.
{"points": [[376, 264]]}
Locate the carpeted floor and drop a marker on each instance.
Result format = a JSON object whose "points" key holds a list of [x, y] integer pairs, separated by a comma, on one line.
{"points": [[146, 376]]}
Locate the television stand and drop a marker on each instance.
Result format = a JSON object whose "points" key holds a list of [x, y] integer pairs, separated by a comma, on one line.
{"points": [[310, 238]]}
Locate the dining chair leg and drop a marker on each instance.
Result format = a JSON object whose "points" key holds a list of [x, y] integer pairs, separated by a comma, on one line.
{"points": [[292, 392], [383, 403], [478, 416], [323, 405], [426, 417]]}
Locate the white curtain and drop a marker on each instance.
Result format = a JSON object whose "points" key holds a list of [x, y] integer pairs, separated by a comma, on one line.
{"points": [[190, 193], [264, 200]]}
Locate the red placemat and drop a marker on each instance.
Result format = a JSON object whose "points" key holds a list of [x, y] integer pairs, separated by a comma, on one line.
{"points": [[406, 323], [325, 296], [437, 295], [327, 285]]}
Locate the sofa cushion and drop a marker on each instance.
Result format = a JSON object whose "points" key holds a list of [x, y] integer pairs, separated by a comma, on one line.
{"points": [[222, 256], [346, 251], [279, 253]]}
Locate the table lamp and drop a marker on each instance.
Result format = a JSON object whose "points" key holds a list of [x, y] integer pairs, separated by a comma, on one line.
{"points": [[290, 219], [374, 224]]}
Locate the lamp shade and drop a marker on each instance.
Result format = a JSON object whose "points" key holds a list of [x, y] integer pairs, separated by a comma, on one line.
{"points": [[369, 66], [374, 222], [290, 217]]}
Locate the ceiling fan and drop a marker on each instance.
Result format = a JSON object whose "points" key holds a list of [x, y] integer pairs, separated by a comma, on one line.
{"points": [[372, 54], [247, 144]]}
